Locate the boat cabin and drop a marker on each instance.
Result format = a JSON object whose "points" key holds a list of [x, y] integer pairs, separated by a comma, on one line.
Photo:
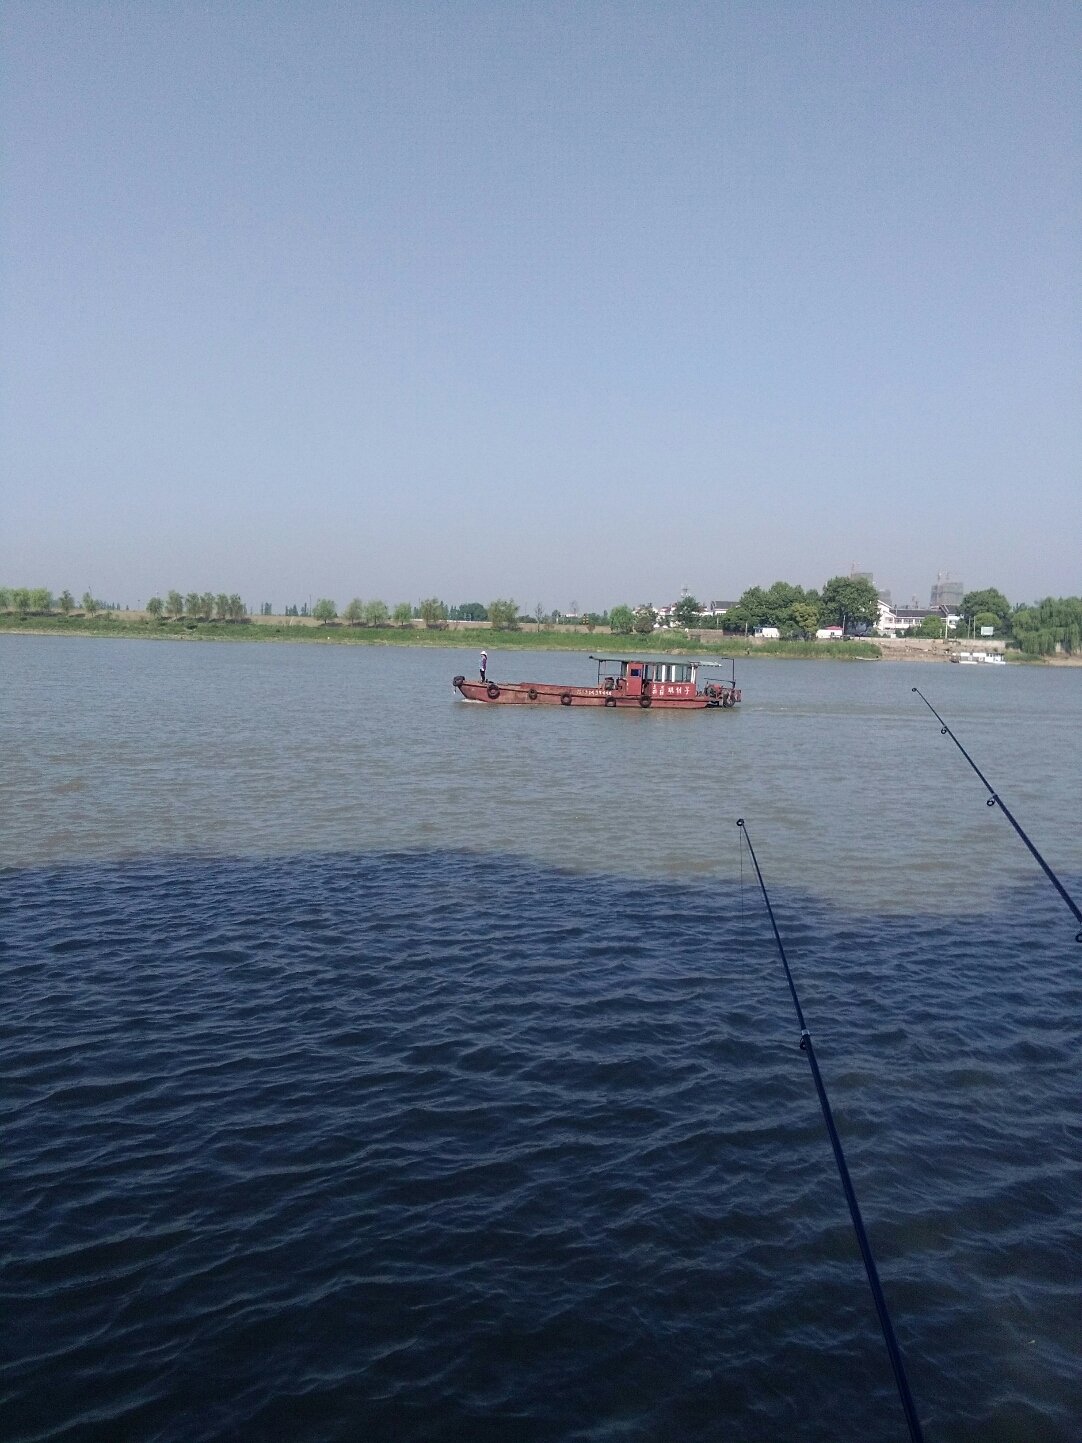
{"points": [[661, 677]]}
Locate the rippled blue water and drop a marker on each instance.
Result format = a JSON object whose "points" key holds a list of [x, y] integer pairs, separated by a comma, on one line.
{"points": [[379, 1067]]}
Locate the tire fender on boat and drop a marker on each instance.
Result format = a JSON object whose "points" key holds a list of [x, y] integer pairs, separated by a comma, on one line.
{"points": [[565, 699], [532, 693], [644, 701], [610, 701], [493, 690]]}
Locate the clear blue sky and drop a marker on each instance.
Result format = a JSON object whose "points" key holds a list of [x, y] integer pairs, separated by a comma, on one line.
{"points": [[557, 301]]}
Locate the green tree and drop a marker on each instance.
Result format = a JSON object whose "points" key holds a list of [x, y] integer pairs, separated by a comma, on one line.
{"points": [[90, 606], [193, 604], [433, 611], [805, 618], [621, 620], [503, 614], [645, 619], [687, 611], [222, 607], [237, 609], [852, 602], [988, 600], [324, 610], [1051, 623], [932, 626], [174, 605], [403, 614], [376, 613], [20, 599], [753, 609], [67, 602], [155, 607], [539, 615], [41, 599], [354, 611]]}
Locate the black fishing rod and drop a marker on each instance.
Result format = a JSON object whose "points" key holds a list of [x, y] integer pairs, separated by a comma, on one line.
{"points": [[995, 800], [908, 1406]]}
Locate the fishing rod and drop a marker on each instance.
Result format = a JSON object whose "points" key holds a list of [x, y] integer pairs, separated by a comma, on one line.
{"points": [[894, 1352], [995, 800]]}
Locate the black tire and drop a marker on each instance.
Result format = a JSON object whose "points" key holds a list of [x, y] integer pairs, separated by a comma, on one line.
{"points": [[644, 701], [532, 693], [711, 689], [493, 691], [458, 680], [610, 701], [565, 700]]}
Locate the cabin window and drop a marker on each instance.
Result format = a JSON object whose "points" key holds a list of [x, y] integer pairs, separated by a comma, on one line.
{"points": [[635, 671], [681, 673]]}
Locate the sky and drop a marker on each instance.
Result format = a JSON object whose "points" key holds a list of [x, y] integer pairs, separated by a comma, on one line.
{"points": [[570, 303]]}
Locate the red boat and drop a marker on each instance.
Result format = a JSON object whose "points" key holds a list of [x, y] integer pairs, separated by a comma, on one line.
{"points": [[667, 683]]}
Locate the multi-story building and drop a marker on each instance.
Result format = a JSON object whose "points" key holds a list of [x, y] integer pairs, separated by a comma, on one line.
{"points": [[947, 592]]}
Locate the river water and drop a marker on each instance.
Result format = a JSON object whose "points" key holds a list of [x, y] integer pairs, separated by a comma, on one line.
{"points": [[379, 1066]]}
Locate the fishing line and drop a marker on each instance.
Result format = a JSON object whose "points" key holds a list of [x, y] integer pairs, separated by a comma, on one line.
{"points": [[893, 1351], [995, 800]]}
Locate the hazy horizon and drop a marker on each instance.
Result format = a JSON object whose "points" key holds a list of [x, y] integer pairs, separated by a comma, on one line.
{"points": [[559, 302]]}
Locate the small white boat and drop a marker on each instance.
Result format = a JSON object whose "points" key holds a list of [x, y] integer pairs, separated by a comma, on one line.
{"points": [[979, 658]]}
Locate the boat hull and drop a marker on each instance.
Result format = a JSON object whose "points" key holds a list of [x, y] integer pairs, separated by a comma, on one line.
{"points": [[661, 697]]}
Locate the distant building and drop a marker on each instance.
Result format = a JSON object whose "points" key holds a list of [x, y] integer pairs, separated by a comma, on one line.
{"points": [[947, 592], [897, 620]]}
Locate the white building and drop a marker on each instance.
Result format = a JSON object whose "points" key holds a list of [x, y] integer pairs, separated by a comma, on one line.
{"points": [[897, 620]]}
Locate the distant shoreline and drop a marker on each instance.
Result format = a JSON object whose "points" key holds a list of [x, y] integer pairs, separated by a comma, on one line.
{"points": [[263, 630], [295, 630]]}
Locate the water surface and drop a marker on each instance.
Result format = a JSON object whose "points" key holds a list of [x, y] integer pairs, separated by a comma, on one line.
{"points": [[380, 1066]]}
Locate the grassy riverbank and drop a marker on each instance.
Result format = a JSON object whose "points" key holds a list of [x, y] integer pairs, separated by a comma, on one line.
{"points": [[108, 624]]}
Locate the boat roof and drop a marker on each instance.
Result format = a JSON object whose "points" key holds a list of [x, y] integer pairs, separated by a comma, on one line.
{"points": [[665, 657]]}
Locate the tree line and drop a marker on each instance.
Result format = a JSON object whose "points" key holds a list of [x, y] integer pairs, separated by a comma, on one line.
{"points": [[851, 602], [39, 601], [198, 606], [1037, 629]]}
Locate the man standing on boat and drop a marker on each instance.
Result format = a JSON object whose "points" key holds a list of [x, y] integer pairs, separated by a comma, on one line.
{"points": [[484, 664]]}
